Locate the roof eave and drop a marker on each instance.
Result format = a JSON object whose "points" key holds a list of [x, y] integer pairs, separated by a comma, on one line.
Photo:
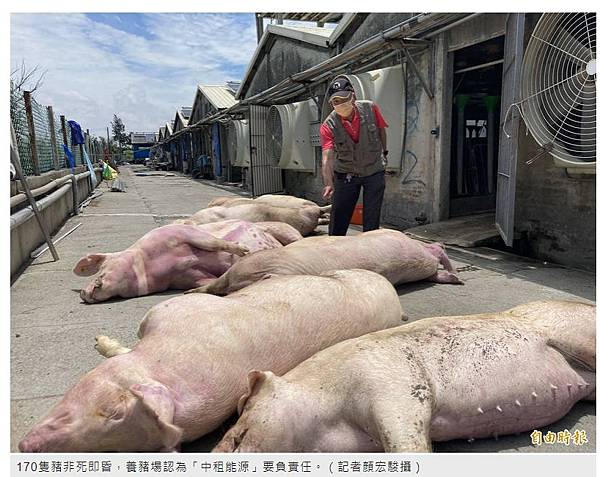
{"points": [[278, 30]]}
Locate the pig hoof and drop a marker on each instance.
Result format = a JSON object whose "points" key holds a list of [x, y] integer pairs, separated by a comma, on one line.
{"points": [[108, 347], [203, 289], [404, 318]]}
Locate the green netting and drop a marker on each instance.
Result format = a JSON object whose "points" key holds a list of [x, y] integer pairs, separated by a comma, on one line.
{"points": [[47, 152], [43, 138], [19, 121]]}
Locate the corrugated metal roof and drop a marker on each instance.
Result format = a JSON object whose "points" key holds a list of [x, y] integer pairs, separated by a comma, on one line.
{"points": [[142, 137], [221, 97], [186, 111], [326, 32], [311, 17], [303, 34], [180, 118]]}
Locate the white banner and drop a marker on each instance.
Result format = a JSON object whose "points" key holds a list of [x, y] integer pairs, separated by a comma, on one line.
{"points": [[427, 465]]}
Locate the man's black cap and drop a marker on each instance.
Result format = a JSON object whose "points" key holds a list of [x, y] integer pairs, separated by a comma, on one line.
{"points": [[340, 87]]}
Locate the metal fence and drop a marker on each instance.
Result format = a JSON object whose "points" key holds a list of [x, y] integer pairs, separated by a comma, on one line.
{"points": [[40, 138]]}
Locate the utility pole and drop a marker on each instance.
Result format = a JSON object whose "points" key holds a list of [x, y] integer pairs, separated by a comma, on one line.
{"points": [[31, 127], [63, 125]]}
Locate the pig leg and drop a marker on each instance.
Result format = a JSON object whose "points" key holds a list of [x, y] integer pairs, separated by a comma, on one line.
{"points": [[283, 233], [323, 221], [219, 286], [325, 209], [402, 421], [213, 244], [437, 250], [108, 347], [442, 276]]}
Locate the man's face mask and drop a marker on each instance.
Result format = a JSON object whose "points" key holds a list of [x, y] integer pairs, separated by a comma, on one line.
{"points": [[344, 109]]}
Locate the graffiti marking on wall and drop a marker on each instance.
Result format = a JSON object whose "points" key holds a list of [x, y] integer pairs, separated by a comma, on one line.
{"points": [[407, 178]]}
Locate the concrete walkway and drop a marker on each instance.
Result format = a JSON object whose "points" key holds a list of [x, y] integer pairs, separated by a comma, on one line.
{"points": [[52, 342]]}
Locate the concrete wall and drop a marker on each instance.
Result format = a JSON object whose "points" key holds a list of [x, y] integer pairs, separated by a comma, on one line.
{"points": [[27, 237], [555, 213], [372, 24]]}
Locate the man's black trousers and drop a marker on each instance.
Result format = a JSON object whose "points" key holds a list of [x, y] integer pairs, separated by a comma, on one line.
{"points": [[345, 195]]}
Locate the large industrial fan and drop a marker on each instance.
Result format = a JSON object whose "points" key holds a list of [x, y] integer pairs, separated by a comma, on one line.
{"points": [[558, 87], [237, 143], [291, 135]]}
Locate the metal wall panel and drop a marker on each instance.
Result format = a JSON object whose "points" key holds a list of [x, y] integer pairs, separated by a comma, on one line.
{"points": [[507, 157], [265, 178]]}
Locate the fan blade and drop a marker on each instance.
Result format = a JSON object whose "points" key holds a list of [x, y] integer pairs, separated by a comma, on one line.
{"points": [[557, 102], [588, 122], [572, 45]]}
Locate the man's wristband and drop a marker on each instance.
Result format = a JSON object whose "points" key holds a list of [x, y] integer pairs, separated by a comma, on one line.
{"points": [[385, 153]]}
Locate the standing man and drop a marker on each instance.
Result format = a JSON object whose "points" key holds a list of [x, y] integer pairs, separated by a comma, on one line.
{"points": [[354, 155]]}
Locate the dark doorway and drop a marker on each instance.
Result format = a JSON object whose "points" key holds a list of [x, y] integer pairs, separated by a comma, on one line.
{"points": [[477, 86]]}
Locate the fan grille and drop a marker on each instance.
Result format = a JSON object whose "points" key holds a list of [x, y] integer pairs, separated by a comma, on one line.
{"points": [[232, 143], [274, 135], [558, 85]]}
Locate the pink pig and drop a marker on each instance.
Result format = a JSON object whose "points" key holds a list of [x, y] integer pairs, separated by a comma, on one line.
{"points": [[177, 256]]}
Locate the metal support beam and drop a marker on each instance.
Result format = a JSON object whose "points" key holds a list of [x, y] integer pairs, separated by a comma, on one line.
{"points": [[400, 45], [31, 126], [53, 138], [16, 162]]}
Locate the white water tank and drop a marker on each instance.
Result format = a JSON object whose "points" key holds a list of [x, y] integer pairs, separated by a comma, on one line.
{"points": [[289, 129], [385, 87]]}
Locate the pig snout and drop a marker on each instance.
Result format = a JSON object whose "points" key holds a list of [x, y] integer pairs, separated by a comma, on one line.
{"points": [[94, 292], [31, 443], [44, 439]]}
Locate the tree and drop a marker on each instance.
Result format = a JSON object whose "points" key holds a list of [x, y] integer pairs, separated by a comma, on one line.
{"points": [[118, 131], [24, 79]]}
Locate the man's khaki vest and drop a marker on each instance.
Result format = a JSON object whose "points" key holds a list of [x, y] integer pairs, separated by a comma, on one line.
{"points": [[363, 158]]}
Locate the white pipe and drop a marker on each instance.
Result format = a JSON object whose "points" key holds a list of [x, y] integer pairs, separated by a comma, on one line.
{"points": [[24, 214], [451, 25], [56, 183]]}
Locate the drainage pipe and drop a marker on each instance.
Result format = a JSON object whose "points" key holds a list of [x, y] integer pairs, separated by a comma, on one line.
{"points": [[25, 214], [55, 184]]}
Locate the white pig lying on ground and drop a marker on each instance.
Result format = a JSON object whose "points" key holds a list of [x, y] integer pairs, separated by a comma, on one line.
{"points": [[388, 252], [177, 257], [276, 200], [301, 214], [437, 379], [186, 374]]}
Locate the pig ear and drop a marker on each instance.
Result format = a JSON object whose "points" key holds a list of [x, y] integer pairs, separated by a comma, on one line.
{"points": [[90, 264], [255, 380], [158, 403]]}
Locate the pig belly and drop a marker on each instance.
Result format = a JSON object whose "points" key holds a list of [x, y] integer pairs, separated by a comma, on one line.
{"points": [[186, 268], [252, 237], [531, 371]]}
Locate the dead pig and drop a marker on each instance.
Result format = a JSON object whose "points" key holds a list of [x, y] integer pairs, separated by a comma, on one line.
{"points": [[388, 252], [186, 374], [274, 200], [437, 379], [304, 219], [177, 257]]}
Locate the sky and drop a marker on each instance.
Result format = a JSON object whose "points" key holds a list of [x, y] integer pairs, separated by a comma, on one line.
{"points": [[141, 67]]}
